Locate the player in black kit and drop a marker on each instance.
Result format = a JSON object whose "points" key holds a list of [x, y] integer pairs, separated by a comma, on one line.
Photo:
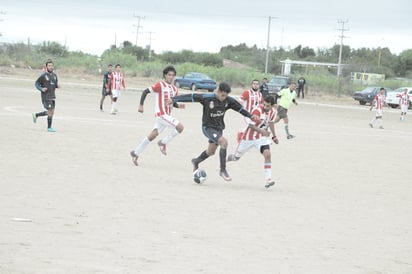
{"points": [[214, 108]]}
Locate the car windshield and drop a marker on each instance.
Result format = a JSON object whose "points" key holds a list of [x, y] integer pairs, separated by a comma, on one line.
{"points": [[278, 81], [201, 76], [368, 90]]}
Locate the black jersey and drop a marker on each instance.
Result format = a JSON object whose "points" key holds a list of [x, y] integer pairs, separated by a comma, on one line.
{"points": [[49, 81], [213, 109]]}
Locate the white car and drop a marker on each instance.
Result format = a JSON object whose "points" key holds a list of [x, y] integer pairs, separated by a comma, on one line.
{"points": [[392, 98]]}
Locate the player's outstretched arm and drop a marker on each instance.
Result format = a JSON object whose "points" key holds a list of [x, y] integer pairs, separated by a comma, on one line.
{"points": [[191, 97], [142, 99]]}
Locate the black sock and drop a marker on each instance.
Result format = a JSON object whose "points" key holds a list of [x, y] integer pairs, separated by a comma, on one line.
{"points": [[203, 156], [222, 155], [101, 106], [44, 113], [49, 121]]}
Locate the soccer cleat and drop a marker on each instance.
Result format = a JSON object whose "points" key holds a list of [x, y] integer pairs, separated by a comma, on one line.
{"points": [[381, 127], [275, 140], [34, 117], [50, 129], [370, 124], [195, 165], [231, 157], [225, 175], [162, 147], [290, 136], [134, 157], [269, 183], [113, 112]]}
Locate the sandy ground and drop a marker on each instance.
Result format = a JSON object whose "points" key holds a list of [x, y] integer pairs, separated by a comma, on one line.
{"points": [[73, 202]]}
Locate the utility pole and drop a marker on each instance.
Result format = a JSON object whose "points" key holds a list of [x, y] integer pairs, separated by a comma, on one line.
{"points": [[341, 44], [340, 55], [138, 26], [1, 19], [150, 43], [267, 45]]}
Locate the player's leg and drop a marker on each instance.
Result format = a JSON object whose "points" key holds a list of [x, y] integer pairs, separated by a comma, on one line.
{"points": [[222, 142], [157, 129], [104, 93], [41, 113], [175, 129], [115, 96], [267, 165], [241, 149], [50, 105], [286, 122], [211, 134]]}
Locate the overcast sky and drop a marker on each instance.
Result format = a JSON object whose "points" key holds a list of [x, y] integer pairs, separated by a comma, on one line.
{"points": [[93, 26]]}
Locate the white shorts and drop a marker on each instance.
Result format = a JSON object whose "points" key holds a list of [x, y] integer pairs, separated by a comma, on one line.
{"points": [[245, 145], [404, 108], [115, 93], [379, 113], [165, 121]]}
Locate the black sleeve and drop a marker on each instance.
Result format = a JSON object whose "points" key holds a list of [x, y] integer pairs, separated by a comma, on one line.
{"points": [[191, 97], [235, 105], [143, 97]]}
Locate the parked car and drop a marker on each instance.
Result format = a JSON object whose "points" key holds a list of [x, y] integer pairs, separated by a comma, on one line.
{"points": [[392, 98], [277, 83], [194, 81], [368, 94]]}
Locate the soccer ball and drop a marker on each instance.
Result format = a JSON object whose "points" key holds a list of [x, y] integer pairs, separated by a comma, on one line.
{"points": [[199, 176]]}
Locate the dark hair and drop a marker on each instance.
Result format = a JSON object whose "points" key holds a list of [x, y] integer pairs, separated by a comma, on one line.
{"points": [[49, 61], [382, 88], [269, 99], [117, 65], [265, 78], [168, 69], [224, 87], [110, 65], [255, 80]]}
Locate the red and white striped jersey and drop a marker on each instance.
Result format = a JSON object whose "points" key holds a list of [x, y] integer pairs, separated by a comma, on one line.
{"points": [[251, 99], [162, 92], [379, 101], [404, 97], [117, 80], [263, 122]]}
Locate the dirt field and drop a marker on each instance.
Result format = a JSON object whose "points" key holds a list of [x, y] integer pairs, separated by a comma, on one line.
{"points": [[73, 202]]}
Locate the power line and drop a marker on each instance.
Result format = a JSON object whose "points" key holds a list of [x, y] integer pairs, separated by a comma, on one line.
{"points": [[138, 26]]}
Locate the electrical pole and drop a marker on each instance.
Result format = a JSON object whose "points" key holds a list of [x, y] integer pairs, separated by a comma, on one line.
{"points": [[341, 44], [138, 26], [150, 43], [267, 45], [340, 54]]}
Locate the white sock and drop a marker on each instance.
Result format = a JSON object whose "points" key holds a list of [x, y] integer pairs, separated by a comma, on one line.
{"points": [[172, 134], [142, 146], [268, 171]]}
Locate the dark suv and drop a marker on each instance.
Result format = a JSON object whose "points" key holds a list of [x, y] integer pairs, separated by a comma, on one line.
{"points": [[277, 83], [368, 94]]}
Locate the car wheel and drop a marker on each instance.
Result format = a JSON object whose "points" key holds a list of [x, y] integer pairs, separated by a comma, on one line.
{"points": [[362, 103], [193, 87], [177, 84]]}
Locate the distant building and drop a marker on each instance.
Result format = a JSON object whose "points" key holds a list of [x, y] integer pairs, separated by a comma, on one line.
{"points": [[365, 78]]}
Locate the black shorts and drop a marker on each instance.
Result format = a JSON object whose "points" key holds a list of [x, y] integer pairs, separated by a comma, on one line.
{"points": [[105, 92], [282, 112], [49, 104], [212, 134]]}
